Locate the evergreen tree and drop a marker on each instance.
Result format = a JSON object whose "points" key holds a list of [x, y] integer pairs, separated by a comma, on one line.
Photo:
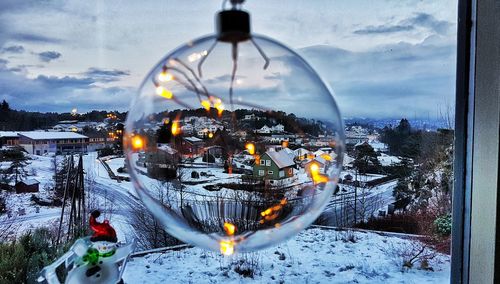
{"points": [[402, 193], [164, 134], [366, 159]]}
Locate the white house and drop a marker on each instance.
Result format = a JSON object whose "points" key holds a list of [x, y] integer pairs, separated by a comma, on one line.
{"points": [[279, 128], [301, 153], [264, 130], [42, 142], [249, 117]]}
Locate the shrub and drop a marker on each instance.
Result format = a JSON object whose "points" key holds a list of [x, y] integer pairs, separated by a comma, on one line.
{"points": [[21, 260], [443, 225]]}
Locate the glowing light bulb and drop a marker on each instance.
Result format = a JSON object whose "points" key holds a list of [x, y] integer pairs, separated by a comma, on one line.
{"points": [[165, 77], [229, 228], [314, 168], [226, 247], [137, 142], [206, 104], [250, 148], [161, 91], [326, 157], [175, 128]]}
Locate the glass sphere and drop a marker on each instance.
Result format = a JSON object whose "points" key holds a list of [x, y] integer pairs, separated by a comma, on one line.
{"points": [[234, 147]]}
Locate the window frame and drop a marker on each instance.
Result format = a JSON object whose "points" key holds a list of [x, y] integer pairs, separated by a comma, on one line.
{"points": [[475, 243]]}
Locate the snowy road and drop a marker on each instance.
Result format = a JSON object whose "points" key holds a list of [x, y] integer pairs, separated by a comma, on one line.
{"points": [[340, 210]]}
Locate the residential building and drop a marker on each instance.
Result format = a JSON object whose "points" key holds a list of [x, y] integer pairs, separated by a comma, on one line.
{"points": [[279, 128], [42, 142], [264, 130], [191, 146], [97, 141], [9, 138], [274, 165], [27, 186]]}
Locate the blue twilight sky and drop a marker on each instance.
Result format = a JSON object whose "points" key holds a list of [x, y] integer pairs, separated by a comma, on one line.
{"points": [[382, 58]]}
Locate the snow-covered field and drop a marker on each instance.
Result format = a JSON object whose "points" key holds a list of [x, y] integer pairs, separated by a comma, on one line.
{"points": [[314, 256]]}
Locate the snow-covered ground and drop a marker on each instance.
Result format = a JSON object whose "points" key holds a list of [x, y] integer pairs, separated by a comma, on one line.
{"points": [[387, 160], [314, 256], [362, 178], [115, 164]]}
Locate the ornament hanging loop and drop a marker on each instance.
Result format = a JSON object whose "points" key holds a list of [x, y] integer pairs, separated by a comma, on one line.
{"points": [[236, 4]]}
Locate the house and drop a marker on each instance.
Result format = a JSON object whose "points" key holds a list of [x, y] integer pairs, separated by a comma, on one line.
{"points": [[319, 161], [302, 153], [96, 141], [187, 128], [9, 138], [318, 153], [356, 134], [42, 142], [161, 163], [249, 117], [279, 128], [274, 165], [28, 185], [264, 130], [191, 146]]}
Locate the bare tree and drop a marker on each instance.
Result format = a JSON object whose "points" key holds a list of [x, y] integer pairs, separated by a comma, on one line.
{"points": [[149, 232]]}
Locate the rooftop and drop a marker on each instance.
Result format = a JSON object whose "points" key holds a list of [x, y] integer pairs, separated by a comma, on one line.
{"points": [[281, 158], [31, 181], [8, 134], [45, 135]]}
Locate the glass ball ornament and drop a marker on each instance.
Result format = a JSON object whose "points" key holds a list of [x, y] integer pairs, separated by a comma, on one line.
{"points": [[233, 142]]}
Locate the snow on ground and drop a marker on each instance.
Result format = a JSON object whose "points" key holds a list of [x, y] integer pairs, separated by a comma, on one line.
{"points": [[387, 160], [116, 163], [314, 256], [362, 178]]}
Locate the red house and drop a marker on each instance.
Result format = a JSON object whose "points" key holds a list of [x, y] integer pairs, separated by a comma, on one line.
{"points": [[28, 185]]}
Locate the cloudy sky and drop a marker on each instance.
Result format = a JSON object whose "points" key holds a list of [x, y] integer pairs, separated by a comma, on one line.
{"points": [[381, 58]]}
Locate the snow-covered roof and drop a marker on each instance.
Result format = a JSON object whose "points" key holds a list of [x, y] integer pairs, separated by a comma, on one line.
{"points": [[387, 160], [193, 139], [301, 151], [166, 148], [289, 152], [319, 153], [378, 146], [8, 134], [347, 160], [45, 135], [281, 158], [30, 181]]}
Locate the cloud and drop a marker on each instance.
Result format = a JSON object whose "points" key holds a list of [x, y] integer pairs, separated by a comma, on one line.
{"points": [[34, 38], [63, 93], [418, 20], [53, 82], [13, 49], [390, 80], [106, 75], [429, 21], [48, 56], [382, 29]]}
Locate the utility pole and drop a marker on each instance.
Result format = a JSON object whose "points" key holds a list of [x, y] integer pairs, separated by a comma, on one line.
{"points": [[356, 197]]}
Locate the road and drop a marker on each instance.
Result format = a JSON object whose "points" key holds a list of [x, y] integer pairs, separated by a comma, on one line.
{"points": [[122, 203], [340, 210]]}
